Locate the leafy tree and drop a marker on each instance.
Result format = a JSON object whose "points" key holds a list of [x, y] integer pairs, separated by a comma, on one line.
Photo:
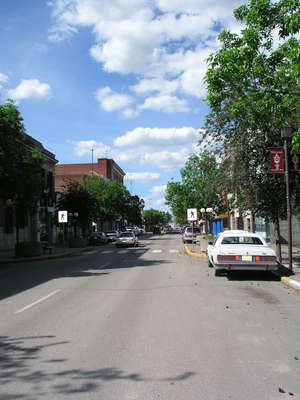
{"points": [[77, 199], [253, 92], [155, 217], [21, 164], [200, 186], [134, 210]]}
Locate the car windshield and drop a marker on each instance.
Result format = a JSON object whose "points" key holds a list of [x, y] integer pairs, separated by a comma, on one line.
{"points": [[126, 234], [190, 230], [242, 240]]}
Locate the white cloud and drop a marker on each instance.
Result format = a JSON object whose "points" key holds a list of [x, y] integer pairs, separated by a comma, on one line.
{"points": [[158, 137], [167, 160], [158, 190], [112, 101], [143, 177], [164, 42], [160, 85], [130, 113], [30, 89], [165, 103], [3, 78], [84, 148]]}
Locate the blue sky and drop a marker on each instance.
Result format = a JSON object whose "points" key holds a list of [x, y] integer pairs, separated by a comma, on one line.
{"points": [[122, 77]]}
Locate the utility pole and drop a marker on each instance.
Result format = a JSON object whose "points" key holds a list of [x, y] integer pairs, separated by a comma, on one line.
{"points": [[92, 162]]}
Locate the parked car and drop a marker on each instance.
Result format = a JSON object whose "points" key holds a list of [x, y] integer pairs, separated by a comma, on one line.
{"points": [[190, 234], [97, 238], [240, 250], [127, 239], [112, 235]]}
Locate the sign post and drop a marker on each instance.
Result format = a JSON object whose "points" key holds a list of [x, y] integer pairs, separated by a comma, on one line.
{"points": [[63, 219], [192, 217]]}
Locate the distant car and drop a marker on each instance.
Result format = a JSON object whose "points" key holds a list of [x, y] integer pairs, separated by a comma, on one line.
{"points": [[112, 236], [190, 234], [156, 230], [97, 238], [240, 250], [127, 239]]}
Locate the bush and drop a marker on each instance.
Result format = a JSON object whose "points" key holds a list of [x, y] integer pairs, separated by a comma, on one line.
{"points": [[28, 249]]}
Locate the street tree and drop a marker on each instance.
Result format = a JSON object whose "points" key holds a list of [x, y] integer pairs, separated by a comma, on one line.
{"points": [[134, 210], [200, 186], [156, 217], [253, 92], [76, 199], [21, 165]]}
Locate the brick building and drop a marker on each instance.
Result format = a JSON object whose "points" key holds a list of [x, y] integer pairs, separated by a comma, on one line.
{"points": [[40, 226], [105, 167]]}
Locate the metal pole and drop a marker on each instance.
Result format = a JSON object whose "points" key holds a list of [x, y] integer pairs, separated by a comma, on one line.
{"points": [[92, 162], [288, 203]]}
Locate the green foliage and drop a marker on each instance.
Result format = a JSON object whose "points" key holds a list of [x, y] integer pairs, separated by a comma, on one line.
{"points": [[21, 164], [200, 186], [134, 210], [113, 201], [155, 217], [77, 199], [253, 91]]}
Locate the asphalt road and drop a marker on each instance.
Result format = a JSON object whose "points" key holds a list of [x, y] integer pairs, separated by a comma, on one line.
{"points": [[146, 323]]}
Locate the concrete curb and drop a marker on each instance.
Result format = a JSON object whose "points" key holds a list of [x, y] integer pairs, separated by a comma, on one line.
{"points": [[290, 282], [45, 257], [189, 252]]}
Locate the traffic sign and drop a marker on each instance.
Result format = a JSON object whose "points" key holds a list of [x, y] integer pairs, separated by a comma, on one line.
{"points": [[62, 217], [192, 214]]}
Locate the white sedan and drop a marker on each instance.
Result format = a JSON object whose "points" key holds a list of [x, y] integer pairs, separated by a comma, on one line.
{"points": [[240, 250]]}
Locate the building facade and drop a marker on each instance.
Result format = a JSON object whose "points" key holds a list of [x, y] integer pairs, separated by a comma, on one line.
{"points": [[40, 226], [107, 168]]}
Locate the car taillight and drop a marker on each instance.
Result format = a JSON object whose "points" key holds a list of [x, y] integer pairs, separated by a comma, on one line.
{"points": [[228, 258]]}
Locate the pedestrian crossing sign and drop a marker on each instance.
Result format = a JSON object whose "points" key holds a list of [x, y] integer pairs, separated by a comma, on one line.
{"points": [[62, 217], [192, 214]]}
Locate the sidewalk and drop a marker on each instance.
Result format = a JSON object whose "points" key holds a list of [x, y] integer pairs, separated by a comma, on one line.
{"points": [[7, 257], [287, 277]]}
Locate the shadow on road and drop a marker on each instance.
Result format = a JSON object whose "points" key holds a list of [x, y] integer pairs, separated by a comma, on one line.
{"points": [[31, 274], [25, 372], [252, 276]]}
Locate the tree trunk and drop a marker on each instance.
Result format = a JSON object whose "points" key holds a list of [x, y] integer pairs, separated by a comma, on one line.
{"points": [[277, 238]]}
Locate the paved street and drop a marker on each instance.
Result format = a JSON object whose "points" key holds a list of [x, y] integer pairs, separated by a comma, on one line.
{"points": [[145, 323]]}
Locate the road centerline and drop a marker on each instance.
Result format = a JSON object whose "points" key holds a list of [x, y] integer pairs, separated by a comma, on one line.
{"points": [[38, 301]]}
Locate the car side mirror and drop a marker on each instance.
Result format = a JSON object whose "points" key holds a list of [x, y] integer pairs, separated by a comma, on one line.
{"points": [[210, 243]]}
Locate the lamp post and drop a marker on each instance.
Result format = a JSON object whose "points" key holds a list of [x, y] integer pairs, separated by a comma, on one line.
{"points": [[286, 133], [209, 211], [229, 197], [202, 210]]}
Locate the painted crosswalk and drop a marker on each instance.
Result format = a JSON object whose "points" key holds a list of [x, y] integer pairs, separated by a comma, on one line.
{"points": [[141, 251]]}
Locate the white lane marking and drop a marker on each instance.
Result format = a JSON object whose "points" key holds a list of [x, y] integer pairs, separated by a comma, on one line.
{"points": [[122, 252], [157, 251], [38, 301], [106, 252], [173, 251], [91, 252]]}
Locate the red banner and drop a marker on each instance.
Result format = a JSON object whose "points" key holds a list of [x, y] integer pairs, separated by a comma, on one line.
{"points": [[277, 160]]}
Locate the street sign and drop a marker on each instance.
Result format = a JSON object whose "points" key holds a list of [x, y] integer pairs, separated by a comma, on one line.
{"points": [[62, 217], [192, 214]]}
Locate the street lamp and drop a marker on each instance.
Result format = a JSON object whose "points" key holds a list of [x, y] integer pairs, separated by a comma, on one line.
{"points": [[209, 210], [287, 133], [229, 197]]}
